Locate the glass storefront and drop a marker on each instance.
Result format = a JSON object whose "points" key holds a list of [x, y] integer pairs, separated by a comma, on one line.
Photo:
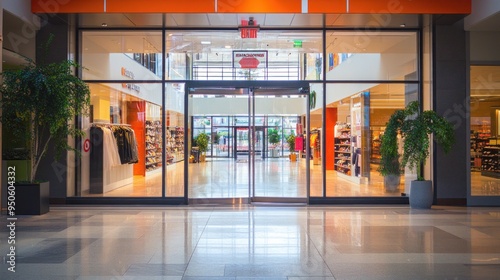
{"points": [[485, 131], [336, 120]]}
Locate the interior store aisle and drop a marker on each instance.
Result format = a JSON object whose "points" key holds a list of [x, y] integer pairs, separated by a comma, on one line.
{"points": [[255, 242]]}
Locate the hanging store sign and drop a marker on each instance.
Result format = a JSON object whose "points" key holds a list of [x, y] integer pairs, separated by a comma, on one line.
{"points": [[249, 59]]}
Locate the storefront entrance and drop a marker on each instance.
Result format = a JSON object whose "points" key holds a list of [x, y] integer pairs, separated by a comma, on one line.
{"points": [[251, 126]]}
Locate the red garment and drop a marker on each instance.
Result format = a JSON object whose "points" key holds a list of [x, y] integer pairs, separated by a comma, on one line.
{"points": [[299, 143]]}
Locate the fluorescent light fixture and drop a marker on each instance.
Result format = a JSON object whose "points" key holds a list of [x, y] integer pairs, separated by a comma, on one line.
{"points": [[206, 42]]}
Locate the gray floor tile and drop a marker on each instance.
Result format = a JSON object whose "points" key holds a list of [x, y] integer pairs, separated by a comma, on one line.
{"points": [[156, 270], [54, 250], [257, 242]]}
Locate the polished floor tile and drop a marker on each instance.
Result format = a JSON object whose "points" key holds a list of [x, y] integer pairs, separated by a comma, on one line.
{"points": [[248, 242]]}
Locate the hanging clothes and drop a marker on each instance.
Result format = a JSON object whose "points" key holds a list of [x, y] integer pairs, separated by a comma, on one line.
{"points": [[126, 143], [110, 150], [312, 140]]}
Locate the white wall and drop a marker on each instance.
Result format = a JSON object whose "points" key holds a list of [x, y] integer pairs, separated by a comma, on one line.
{"points": [[105, 66], [484, 46], [481, 9], [19, 33], [19, 8], [233, 106]]}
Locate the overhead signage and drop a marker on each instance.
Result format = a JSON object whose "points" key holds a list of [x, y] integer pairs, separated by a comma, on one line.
{"points": [[249, 59], [129, 74]]}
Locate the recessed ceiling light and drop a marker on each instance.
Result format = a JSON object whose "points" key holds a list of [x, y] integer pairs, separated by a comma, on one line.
{"points": [[206, 42], [402, 25], [227, 47], [104, 24]]}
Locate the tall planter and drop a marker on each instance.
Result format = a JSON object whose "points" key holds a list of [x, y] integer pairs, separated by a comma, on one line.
{"points": [[421, 195], [32, 198], [392, 182]]}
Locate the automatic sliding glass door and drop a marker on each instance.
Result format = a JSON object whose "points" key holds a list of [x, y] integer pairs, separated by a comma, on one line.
{"points": [[279, 172], [255, 128]]}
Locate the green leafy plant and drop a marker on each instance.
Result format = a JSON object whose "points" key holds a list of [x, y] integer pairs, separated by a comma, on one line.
{"points": [[390, 157], [202, 142], [216, 137], [290, 139], [39, 103], [416, 128], [273, 136]]}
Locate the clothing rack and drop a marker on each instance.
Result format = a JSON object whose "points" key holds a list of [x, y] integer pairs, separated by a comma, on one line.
{"points": [[101, 178]]}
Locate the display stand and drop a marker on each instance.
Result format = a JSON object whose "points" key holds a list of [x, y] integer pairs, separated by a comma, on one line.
{"points": [[153, 145], [490, 161], [343, 152], [346, 158], [174, 144]]}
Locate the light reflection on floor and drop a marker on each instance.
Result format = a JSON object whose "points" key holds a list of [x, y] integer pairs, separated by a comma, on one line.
{"points": [[274, 177]]}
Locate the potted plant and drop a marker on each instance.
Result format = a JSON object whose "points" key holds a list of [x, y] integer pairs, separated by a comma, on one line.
{"points": [[291, 146], [202, 143], [39, 102], [215, 141], [390, 167], [273, 138], [416, 128]]}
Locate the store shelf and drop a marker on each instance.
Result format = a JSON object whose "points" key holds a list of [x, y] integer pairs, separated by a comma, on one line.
{"points": [[342, 156], [490, 161], [153, 143], [174, 144]]}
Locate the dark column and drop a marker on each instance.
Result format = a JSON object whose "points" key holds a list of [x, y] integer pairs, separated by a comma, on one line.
{"points": [[55, 171], [450, 101]]}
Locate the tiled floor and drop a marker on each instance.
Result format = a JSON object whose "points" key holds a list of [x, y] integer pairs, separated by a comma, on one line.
{"points": [[255, 242]]}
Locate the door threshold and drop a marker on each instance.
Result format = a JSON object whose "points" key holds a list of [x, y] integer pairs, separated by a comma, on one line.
{"points": [[268, 201], [280, 200], [218, 201]]}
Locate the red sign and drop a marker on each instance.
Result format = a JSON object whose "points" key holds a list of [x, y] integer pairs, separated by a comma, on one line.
{"points": [[248, 33], [86, 145], [250, 59], [249, 62]]}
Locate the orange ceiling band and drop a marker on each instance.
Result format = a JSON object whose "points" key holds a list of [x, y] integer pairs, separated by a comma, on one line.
{"points": [[410, 6], [254, 6]]}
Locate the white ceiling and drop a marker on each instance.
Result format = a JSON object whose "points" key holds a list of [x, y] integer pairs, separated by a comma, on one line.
{"points": [[264, 20], [225, 41]]}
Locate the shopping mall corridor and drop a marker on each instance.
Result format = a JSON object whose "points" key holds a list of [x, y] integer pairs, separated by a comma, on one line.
{"points": [[255, 242]]}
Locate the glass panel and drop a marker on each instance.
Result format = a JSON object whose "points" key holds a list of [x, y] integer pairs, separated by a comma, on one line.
{"points": [[220, 55], [281, 172], [358, 114], [224, 173], [174, 140], [131, 158], [485, 130], [122, 55], [354, 55]]}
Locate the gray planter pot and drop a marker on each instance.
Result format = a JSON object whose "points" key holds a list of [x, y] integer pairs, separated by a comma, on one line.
{"points": [[391, 183], [421, 194], [32, 198]]}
